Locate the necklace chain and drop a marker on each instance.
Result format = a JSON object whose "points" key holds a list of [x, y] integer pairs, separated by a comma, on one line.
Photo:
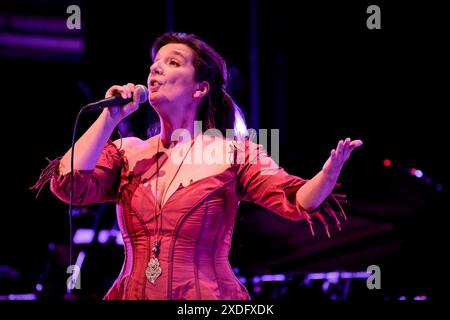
{"points": [[161, 203], [154, 269]]}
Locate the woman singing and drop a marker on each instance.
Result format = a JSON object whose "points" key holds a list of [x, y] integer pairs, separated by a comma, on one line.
{"points": [[178, 192]]}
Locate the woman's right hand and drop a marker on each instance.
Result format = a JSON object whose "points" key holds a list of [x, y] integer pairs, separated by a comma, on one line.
{"points": [[119, 113]]}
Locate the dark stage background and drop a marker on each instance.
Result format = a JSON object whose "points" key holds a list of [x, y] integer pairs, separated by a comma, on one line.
{"points": [[312, 70]]}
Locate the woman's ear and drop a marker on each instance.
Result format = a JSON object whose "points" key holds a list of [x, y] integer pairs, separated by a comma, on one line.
{"points": [[202, 89]]}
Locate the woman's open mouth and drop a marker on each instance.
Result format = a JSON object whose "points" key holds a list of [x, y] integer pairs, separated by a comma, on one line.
{"points": [[155, 84]]}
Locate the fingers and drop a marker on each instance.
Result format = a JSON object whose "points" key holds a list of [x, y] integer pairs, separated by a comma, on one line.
{"points": [[113, 90], [125, 91], [333, 154], [131, 91], [339, 150], [339, 156], [355, 144], [347, 143], [352, 146], [345, 148], [116, 90], [129, 88]]}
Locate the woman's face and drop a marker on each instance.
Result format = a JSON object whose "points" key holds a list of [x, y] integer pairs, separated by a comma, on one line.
{"points": [[171, 78]]}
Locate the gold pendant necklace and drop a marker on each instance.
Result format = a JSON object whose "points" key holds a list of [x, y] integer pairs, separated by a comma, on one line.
{"points": [[154, 269]]}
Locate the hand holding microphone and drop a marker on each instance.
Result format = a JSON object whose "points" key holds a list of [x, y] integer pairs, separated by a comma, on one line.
{"points": [[121, 101]]}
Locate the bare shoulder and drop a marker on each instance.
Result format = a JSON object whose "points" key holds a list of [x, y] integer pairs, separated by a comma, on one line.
{"points": [[218, 149], [131, 144]]}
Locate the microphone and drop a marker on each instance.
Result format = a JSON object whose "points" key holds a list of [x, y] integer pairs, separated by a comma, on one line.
{"points": [[117, 100]]}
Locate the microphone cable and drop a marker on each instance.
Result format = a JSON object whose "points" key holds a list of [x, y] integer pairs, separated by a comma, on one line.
{"points": [[70, 286]]}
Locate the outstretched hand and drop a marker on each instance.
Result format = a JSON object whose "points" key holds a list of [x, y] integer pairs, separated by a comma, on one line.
{"points": [[339, 156]]}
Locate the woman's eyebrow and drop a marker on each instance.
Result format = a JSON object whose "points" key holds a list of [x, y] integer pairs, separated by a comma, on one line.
{"points": [[173, 52], [178, 53]]}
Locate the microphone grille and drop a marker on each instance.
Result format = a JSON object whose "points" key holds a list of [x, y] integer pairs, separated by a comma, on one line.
{"points": [[143, 94]]}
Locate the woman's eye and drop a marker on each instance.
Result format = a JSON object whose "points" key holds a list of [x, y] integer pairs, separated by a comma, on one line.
{"points": [[174, 62]]}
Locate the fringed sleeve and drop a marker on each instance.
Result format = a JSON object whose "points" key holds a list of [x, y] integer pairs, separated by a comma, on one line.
{"points": [[90, 186], [263, 182]]}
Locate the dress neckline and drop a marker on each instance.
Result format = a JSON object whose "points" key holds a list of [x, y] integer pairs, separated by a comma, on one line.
{"points": [[191, 184]]}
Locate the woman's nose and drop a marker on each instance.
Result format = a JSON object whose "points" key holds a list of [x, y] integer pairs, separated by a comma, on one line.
{"points": [[156, 69]]}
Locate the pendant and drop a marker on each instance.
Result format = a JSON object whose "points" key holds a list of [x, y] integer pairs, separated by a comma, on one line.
{"points": [[153, 270]]}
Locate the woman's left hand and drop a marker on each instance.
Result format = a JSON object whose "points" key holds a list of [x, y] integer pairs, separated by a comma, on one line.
{"points": [[339, 156]]}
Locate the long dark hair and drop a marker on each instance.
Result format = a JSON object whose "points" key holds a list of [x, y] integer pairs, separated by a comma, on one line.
{"points": [[217, 109]]}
